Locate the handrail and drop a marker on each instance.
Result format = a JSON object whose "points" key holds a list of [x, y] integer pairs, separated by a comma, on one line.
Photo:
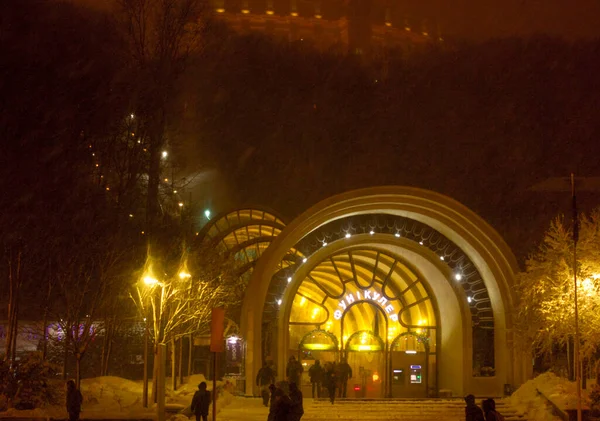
{"points": [[555, 409]]}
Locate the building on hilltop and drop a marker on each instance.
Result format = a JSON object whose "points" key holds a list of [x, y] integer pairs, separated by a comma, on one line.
{"points": [[356, 26]]}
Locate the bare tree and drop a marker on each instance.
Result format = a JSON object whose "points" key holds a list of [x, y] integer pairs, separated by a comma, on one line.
{"points": [[162, 34]]}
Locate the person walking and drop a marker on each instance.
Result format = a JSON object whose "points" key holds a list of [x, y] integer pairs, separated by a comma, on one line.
{"points": [[330, 381], [345, 373], [294, 370], [489, 410], [74, 400], [316, 378], [201, 403], [296, 407], [472, 411], [264, 378]]}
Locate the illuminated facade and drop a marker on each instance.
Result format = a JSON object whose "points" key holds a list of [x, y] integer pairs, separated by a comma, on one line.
{"points": [[409, 286], [357, 26]]}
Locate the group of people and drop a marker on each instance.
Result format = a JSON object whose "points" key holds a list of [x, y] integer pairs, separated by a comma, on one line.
{"points": [[285, 398], [475, 413], [330, 377]]}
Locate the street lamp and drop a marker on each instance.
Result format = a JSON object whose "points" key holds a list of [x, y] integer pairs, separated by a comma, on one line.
{"points": [[150, 281], [145, 391]]}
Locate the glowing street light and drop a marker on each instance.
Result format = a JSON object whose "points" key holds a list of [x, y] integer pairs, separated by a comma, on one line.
{"points": [[207, 213], [180, 204], [165, 154], [150, 281], [184, 275], [458, 277]]}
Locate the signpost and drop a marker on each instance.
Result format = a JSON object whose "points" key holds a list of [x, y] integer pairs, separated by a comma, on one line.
{"points": [[217, 326]]}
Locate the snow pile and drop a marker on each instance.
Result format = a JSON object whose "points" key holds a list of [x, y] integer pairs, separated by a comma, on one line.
{"points": [[117, 398], [527, 401], [114, 393]]}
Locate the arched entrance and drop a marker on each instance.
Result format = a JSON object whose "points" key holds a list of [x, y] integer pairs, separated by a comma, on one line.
{"points": [[364, 296], [463, 267]]}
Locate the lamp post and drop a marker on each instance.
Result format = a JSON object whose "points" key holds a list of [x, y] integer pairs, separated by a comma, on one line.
{"points": [[150, 282], [145, 391]]}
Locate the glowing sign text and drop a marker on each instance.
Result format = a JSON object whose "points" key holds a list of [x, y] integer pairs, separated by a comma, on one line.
{"points": [[366, 295]]}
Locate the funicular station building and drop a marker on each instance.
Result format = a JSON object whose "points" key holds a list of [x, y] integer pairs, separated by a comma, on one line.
{"points": [[409, 286]]}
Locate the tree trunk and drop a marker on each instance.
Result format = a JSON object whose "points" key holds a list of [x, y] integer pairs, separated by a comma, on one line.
{"points": [[154, 373], [181, 360], [584, 373], [108, 352], [66, 354], [173, 364], [14, 278], [46, 309], [190, 351], [569, 366], [78, 369], [104, 347]]}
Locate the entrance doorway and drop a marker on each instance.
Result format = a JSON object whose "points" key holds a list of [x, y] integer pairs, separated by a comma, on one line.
{"points": [[366, 356]]}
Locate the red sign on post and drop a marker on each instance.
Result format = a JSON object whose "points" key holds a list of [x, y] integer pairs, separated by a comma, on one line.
{"points": [[217, 326]]}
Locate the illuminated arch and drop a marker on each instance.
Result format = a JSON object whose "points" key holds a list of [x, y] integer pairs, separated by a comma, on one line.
{"points": [[491, 259]]}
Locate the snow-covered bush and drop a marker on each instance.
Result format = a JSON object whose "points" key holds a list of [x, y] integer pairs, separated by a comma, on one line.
{"points": [[25, 385]]}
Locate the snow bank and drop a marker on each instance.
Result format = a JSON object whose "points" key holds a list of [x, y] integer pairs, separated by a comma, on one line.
{"points": [[114, 397], [527, 401]]}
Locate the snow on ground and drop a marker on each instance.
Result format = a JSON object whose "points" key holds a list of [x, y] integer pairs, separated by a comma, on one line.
{"points": [[114, 397], [562, 392]]}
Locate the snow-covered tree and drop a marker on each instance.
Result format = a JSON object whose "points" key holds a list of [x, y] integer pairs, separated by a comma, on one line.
{"points": [[546, 310], [177, 302]]}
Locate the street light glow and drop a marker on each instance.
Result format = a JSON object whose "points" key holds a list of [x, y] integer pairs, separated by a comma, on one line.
{"points": [[207, 213], [150, 281], [184, 275], [165, 154], [458, 277], [180, 204]]}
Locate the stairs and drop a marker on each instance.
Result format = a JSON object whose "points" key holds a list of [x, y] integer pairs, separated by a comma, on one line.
{"points": [[395, 409]]}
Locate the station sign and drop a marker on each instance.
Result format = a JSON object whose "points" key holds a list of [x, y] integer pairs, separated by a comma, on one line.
{"points": [[366, 295]]}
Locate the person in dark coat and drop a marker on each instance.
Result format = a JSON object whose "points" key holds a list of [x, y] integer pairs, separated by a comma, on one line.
{"points": [[294, 370], [264, 378], [296, 407], [201, 402], [344, 373], [74, 400], [280, 409], [489, 410], [272, 390], [330, 381], [316, 378], [472, 411]]}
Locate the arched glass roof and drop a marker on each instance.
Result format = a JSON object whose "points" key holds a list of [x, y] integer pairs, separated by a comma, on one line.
{"points": [[246, 234]]}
